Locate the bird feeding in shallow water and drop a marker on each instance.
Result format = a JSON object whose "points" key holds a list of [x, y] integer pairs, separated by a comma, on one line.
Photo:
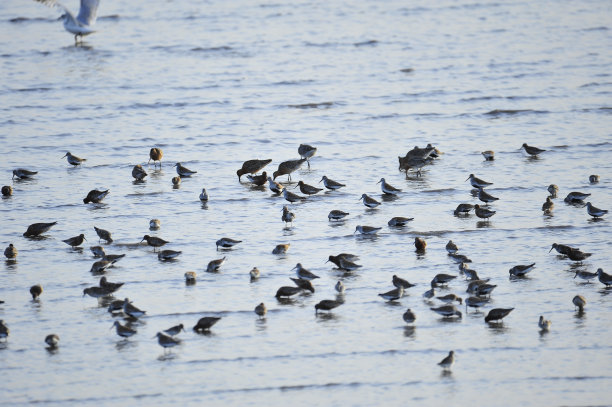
{"points": [[156, 155], [139, 173], [331, 184], [183, 171], [95, 196], [531, 150], [252, 167], [369, 201], [448, 361], [226, 243], [387, 188], [336, 214], [287, 167], [497, 314], [73, 159], [366, 230], [306, 152], [594, 211], [83, 23]]}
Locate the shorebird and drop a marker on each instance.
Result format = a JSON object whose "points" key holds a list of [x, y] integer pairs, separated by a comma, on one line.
{"points": [[489, 155], [576, 197], [154, 224], [548, 206], [215, 265], [83, 24], [36, 291], [408, 316], [104, 283], [331, 184], [97, 292], [400, 282], [252, 167], [388, 189], [303, 284], [139, 173], [460, 258], [484, 289], [75, 241], [393, 295], [447, 311], [442, 279], [343, 263], [205, 323], [4, 330], [577, 255], [366, 230], [261, 310], [562, 249], [579, 301], [274, 186], [176, 181], [52, 341], [336, 214], [308, 189], [154, 241], [155, 154], [7, 190], [339, 287], [544, 324], [448, 361], [463, 209], [175, 330], [553, 190], [420, 244], [115, 306], [287, 167], [131, 310], [226, 243], [287, 291], [168, 254], [342, 257], [22, 173], [595, 212], [369, 201], [204, 195], [103, 235], [449, 298], [10, 252], [291, 197], [470, 274], [594, 179], [183, 171], [281, 248], [258, 180], [407, 163], [475, 302], [122, 330], [73, 159], [100, 266], [451, 247], [477, 182], [306, 152], [497, 314], [604, 278], [485, 196], [399, 221], [190, 277], [254, 273], [303, 273], [327, 305], [585, 275], [521, 269], [474, 285], [532, 151], [483, 213], [95, 196]]}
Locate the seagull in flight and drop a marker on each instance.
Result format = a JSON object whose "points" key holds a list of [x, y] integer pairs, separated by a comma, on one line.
{"points": [[83, 23]]}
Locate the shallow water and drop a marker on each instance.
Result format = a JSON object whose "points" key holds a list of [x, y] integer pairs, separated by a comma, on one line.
{"points": [[216, 83]]}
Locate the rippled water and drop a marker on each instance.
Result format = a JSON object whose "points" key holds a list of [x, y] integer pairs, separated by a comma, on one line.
{"points": [[216, 83]]}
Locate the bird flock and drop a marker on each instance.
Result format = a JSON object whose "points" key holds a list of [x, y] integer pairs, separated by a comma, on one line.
{"points": [[478, 288]]}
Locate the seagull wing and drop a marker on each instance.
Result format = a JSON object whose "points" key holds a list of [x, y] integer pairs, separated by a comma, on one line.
{"points": [[54, 3], [88, 12]]}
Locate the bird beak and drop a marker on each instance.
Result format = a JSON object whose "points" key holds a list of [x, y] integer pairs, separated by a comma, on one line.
{"points": [[466, 179], [326, 261], [142, 240], [379, 182], [64, 155], [550, 249], [321, 180]]}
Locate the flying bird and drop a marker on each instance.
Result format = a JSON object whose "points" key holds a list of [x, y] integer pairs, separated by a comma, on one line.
{"points": [[83, 24]]}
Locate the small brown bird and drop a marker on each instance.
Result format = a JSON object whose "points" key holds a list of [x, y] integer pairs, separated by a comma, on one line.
{"points": [[139, 173], [100, 266], [489, 155], [303, 284], [97, 292], [336, 214], [112, 287], [204, 324], [261, 310], [122, 330], [287, 291], [214, 265], [73, 159], [532, 151], [579, 301], [36, 291], [36, 229], [75, 241], [258, 180], [483, 213], [155, 154], [548, 206], [154, 241], [553, 190], [281, 248], [287, 167], [308, 189], [497, 314], [103, 235], [190, 277], [448, 361], [7, 190], [306, 152], [463, 209], [52, 341], [22, 173], [10, 252], [175, 330], [176, 181], [420, 244], [327, 305], [409, 316], [252, 167], [451, 247], [4, 330], [95, 196]]}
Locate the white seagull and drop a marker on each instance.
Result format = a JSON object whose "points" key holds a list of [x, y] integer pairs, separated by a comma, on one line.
{"points": [[83, 23]]}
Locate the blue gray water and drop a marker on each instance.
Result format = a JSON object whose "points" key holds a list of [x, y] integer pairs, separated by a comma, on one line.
{"points": [[217, 83]]}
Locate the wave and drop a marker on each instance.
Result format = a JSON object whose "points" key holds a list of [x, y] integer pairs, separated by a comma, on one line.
{"points": [[319, 105], [512, 112]]}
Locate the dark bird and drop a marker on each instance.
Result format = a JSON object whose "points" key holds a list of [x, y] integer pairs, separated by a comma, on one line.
{"points": [[183, 171], [37, 229], [579, 301], [409, 316], [303, 284], [577, 255], [400, 282], [122, 330], [97, 292], [475, 302], [442, 279], [167, 341], [112, 287], [73, 159], [155, 154], [532, 151], [447, 311], [287, 291], [258, 180], [331, 184], [36, 291], [103, 235], [343, 263], [521, 269], [100, 266], [287, 167], [214, 265], [287, 216], [604, 278], [594, 211], [336, 214], [463, 209], [226, 243], [448, 361], [497, 314], [576, 197], [449, 298], [139, 173], [75, 241], [7, 190], [10, 252], [131, 310], [175, 330], [308, 189], [563, 249], [399, 221], [22, 173], [477, 182], [306, 152], [420, 244], [327, 305], [205, 323], [168, 254], [253, 167], [304, 273], [486, 197], [95, 196], [154, 241], [261, 310], [52, 341], [4, 330], [483, 213], [393, 295]]}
